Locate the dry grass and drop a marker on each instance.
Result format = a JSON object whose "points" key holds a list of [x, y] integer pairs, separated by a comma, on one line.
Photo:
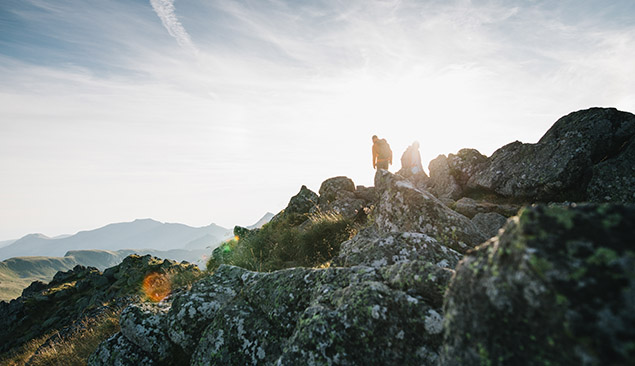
{"points": [[72, 351]]}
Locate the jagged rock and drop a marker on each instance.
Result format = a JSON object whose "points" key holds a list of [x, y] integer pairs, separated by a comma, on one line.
{"points": [[192, 311], [404, 208], [371, 248], [559, 167], [366, 193], [119, 351], [442, 183], [614, 179], [556, 287], [302, 202], [470, 207], [489, 223], [144, 325], [334, 188]]}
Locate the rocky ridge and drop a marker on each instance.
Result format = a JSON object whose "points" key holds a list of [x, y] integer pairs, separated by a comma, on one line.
{"points": [[426, 282]]}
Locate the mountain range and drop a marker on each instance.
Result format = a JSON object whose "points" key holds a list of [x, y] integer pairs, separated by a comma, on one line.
{"points": [[38, 257]]}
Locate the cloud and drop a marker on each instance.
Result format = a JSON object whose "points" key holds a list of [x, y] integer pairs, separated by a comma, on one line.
{"points": [[165, 11]]}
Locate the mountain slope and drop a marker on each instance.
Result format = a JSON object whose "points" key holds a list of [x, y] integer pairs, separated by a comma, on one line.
{"points": [[138, 234]]}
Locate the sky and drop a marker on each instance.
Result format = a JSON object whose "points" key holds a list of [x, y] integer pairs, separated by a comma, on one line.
{"points": [[218, 111]]}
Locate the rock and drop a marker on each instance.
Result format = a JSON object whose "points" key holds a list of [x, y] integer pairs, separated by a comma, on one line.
{"points": [[323, 316], [404, 208], [442, 183], [192, 311], [144, 325], [371, 248], [470, 207], [366, 193], [489, 223], [334, 188], [118, 350], [613, 179], [303, 202], [556, 287], [560, 166]]}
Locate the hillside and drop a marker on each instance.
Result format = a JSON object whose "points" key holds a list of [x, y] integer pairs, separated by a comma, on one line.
{"points": [[485, 262]]}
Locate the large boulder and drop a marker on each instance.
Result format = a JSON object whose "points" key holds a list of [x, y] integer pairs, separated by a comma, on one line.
{"points": [[404, 208], [449, 175], [376, 249], [560, 166], [334, 188], [556, 287]]}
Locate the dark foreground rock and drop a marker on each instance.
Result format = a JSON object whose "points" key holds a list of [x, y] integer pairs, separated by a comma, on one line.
{"points": [[347, 316], [556, 288]]}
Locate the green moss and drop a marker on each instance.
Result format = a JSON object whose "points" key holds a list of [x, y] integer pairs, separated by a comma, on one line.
{"points": [[563, 215], [540, 265], [484, 355], [603, 256]]}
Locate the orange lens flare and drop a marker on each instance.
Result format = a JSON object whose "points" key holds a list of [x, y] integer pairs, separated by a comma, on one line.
{"points": [[156, 286]]}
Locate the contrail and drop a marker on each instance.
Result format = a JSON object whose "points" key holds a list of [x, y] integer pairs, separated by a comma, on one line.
{"points": [[165, 11]]}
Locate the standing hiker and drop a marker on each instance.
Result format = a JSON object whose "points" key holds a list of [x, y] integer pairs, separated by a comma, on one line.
{"points": [[411, 160], [382, 155]]}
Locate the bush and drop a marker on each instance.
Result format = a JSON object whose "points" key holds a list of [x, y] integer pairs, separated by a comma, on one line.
{"points": [[306, 240]]}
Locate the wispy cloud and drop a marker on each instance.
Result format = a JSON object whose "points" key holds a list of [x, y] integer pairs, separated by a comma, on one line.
{"points": [[165, 11]]}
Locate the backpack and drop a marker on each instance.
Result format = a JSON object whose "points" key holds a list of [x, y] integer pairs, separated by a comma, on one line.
{"points": [[383, 149]]}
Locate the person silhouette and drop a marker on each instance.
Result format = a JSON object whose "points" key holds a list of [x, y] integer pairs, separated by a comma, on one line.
{"points": [[411, 160], [382, 154]]}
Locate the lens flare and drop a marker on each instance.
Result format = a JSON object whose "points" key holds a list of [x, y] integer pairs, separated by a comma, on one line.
{"points": [[156, 286]]}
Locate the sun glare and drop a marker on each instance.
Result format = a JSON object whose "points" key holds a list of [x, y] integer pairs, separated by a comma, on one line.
{"points": [[157, 286]]}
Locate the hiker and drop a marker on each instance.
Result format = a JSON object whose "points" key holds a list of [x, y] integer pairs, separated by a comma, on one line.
{"points": [[382, 155], [411, 160]]}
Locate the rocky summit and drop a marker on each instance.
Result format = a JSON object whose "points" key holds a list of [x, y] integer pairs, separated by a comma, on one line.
{"points": [[525, 257]]}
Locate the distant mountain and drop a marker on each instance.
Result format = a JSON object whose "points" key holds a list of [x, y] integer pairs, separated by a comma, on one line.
{"points": [[265, 219], [4, 243], [139, 234]]}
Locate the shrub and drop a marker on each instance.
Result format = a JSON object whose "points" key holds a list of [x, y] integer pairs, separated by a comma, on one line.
{"points": [[306, 240]]}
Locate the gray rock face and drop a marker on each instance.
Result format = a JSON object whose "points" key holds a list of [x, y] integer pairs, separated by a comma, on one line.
{"points": [[119, 351], [557, 287], [387, 315], [489, 223], [404, 208], [143, 324], [371, 248], [471, 207], [191, 311], [442, 183], [302, 202], [333, 188], [614, 178]]}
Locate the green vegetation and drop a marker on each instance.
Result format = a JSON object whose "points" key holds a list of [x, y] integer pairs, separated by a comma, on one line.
{"points": [[73, 350], [294, 240]]}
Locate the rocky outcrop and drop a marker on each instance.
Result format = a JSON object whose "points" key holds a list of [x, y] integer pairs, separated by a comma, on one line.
{"points": [[586, 156], [353, 315], [489, 223], [404, 208], [555, 288], [302, 203]]}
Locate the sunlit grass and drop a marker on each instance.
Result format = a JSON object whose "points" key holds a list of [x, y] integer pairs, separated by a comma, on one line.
{"points": [[72, 351], [309, 240]]}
